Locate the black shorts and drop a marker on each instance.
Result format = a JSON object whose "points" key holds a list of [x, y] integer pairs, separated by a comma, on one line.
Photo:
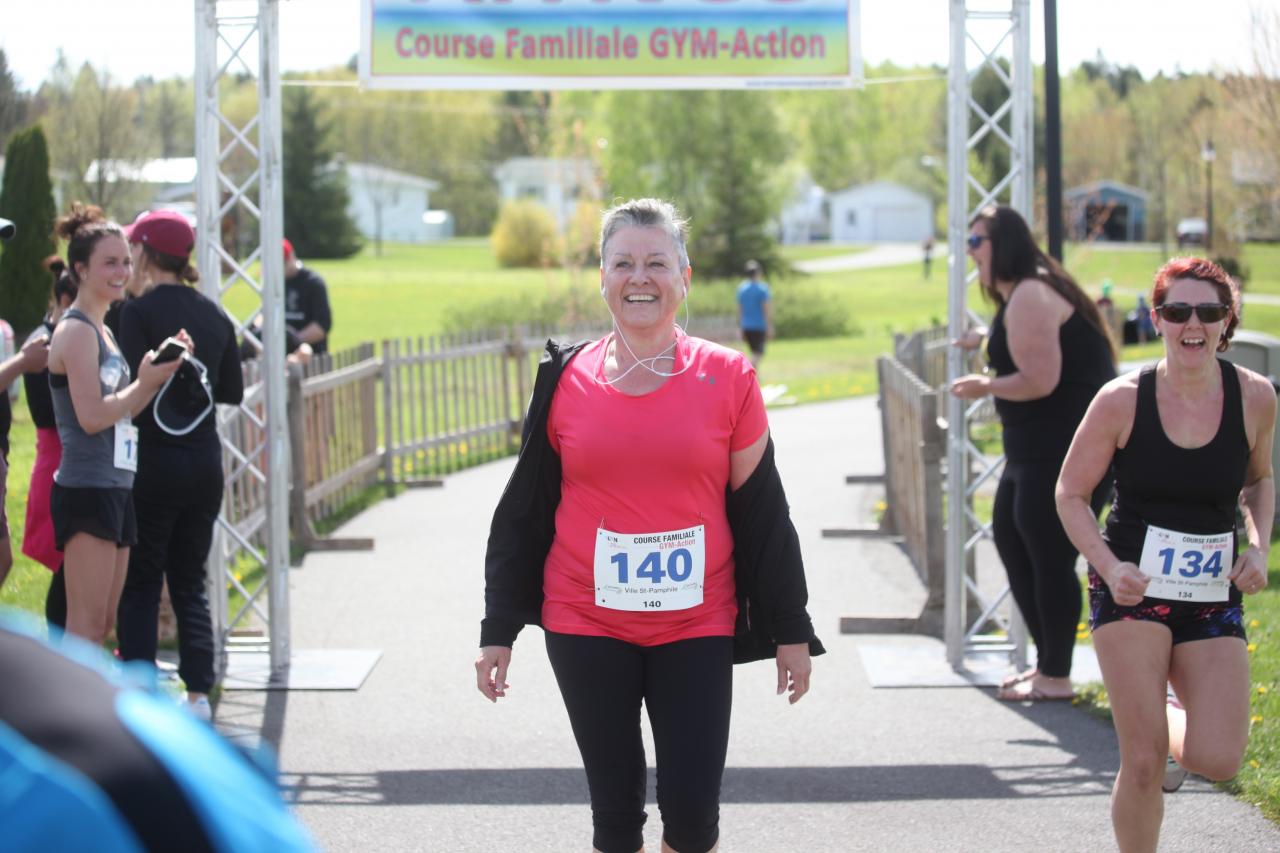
{"points": [[755, 340], [104, 513], [1187, 621]]}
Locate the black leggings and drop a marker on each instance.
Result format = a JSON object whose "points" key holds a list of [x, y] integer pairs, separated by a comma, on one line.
{"points": [[687, 688], [1039, 558], [55, 601]]}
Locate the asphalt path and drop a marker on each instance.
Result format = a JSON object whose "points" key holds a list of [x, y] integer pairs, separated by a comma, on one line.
{"points": [[416, 759]]}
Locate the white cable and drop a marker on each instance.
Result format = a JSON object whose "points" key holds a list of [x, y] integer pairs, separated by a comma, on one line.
{"points": [[646, 363], [204, 384]]}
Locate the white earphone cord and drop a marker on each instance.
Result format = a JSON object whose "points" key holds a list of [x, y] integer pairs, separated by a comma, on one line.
{"points": [[204, 384], [647, 363]]}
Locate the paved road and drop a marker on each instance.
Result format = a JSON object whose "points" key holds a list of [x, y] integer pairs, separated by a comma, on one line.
{"points": [[416, 760], [879, 255]]}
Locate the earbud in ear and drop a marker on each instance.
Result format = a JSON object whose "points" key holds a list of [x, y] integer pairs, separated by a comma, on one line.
{"points": [[686, 291]]}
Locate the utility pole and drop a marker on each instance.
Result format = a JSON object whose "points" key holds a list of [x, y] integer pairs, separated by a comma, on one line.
{"points": [[1052, 132], [1209, 156]]}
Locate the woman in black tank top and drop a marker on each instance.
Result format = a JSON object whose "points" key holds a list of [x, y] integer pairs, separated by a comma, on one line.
{"points": [[1050, 354], [1190, 439]]}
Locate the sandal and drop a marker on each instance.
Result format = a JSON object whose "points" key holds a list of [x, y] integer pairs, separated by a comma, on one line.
{"points": [[1027, 691], [1018, 678]]}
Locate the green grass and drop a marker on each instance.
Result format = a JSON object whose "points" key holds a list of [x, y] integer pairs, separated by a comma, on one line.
{"points": [[1259, 779]]}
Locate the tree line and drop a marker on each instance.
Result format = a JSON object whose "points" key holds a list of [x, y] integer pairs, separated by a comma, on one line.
{"points": [[732, 159]]}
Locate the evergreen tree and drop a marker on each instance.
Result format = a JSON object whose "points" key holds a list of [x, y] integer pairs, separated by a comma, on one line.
{"points": [[13, 104], [718, 163], [315, 186], [742, 197], [26, 197]]}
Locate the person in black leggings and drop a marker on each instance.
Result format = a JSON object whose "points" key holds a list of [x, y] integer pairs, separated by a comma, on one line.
{"points": [[178, 489], [1051, 354], [1189, 439], [654, 559], [38, 537]]}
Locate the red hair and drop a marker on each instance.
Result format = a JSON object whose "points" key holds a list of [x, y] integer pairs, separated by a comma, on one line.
{"points": [[1200, 269]]}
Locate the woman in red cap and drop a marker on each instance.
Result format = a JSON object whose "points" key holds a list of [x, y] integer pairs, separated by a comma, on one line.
{"points": [[178, 490]]}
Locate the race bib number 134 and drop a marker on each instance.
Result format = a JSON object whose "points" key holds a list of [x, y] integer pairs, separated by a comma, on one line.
{"points": [[1186, 566]]}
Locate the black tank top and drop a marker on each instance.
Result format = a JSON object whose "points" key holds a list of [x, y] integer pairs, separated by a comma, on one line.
{"points": [[1192, 490], [1042, 429]]}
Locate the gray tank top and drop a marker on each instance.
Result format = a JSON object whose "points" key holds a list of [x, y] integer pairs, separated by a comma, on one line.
{"points": [[89, 461]]}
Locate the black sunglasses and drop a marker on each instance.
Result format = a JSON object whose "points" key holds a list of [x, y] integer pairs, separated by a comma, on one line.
{"points": [[1180, 312], [975, 240]]}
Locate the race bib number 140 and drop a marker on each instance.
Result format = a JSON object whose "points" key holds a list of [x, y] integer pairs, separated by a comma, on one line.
{"points": [[650, 571], [1186, 566]]}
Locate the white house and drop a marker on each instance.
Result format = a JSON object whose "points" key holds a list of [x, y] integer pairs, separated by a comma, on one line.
{"points": [[390, 204], [394, 205], [880, 212], [804, 217], [556, 184]]}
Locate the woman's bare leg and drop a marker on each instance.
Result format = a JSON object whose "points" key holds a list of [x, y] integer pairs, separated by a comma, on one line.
{"points": [[1134, 657]]}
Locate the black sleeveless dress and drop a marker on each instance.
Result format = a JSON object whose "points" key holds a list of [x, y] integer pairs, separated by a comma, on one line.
{"points": [[1042, 429]]}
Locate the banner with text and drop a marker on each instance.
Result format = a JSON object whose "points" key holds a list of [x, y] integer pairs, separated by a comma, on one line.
{"points": [[609, 44]]}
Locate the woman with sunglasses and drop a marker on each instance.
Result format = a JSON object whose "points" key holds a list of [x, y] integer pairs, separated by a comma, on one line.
{"points": [[1190, 440], [1050, 353]]}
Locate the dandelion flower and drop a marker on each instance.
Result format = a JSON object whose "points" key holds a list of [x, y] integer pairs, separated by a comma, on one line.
{"points": [[1262, 689], [1254, 623], [1252, 647], [1256, 718], [1253, 762]]}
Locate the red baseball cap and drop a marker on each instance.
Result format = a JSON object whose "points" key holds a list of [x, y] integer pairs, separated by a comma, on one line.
{"points": [[166, 231], [288, 247]]}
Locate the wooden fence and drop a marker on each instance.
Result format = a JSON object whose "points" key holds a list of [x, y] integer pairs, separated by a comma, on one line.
{"points": [[402, 413], [914, 447]]}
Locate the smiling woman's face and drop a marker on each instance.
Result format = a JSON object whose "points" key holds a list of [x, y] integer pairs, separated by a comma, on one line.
{"points": [[1193, 341], [110, 265], [641, 278]]}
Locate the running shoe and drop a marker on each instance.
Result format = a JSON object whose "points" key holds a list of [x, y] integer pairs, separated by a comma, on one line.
{"points": [[201, 710], [1174, 775]]}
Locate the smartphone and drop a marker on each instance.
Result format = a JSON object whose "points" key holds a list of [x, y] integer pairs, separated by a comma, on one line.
{"points": [[169, 350]]}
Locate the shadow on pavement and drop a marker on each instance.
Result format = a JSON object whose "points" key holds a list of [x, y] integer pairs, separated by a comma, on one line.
{"points": [[567, 786]]}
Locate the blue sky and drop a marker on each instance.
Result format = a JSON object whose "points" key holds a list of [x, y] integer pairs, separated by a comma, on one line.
{"points": [[135, 37]]}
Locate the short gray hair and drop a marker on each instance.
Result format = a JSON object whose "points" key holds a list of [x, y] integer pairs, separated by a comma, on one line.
{"points": [[646, 213]]}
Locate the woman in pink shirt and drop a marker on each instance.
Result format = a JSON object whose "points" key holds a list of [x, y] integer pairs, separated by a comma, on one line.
{"points": [[645, 530]]}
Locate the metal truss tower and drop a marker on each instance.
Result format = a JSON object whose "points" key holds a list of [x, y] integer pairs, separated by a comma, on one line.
{"points": [[238, 187], [993, 36]]}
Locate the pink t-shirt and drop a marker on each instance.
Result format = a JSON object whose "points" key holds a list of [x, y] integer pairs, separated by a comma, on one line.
{"points": [[652, 463]]}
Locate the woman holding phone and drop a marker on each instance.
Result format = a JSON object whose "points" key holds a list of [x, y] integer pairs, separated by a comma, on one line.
{"points": [[94, 402], [178, 491]]}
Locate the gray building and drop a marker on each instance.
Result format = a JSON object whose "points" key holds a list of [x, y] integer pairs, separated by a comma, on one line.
{"points": [[1106, 210]]}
